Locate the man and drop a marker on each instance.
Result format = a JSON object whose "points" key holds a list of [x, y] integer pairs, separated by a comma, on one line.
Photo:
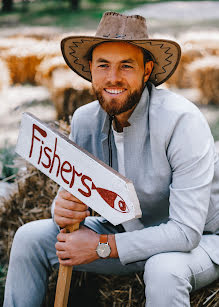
{"points": [[157, 139]]}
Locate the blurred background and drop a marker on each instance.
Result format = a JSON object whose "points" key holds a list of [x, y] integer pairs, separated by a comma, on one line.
{"points": [[35, 78]]}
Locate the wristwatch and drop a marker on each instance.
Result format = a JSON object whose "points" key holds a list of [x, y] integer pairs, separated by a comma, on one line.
{"points": [[103, 249]]}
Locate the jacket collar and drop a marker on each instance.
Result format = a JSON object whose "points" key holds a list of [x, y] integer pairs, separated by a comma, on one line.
{"points": [[137, 113], [132, 133]]}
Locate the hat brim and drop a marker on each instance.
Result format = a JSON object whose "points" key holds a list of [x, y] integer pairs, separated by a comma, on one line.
{"points": [[165, 53]]}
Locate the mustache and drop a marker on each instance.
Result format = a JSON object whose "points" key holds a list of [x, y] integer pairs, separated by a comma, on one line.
{"points": [[118, 84]]}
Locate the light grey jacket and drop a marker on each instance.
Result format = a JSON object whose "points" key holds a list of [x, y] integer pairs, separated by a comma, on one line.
{"points": [[170, 158]]}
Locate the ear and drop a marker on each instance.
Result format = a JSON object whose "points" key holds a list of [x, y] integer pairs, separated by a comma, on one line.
{"points": [[148, 70]]}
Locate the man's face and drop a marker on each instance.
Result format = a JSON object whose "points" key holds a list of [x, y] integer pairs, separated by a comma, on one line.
{"points": [[118, 75]]}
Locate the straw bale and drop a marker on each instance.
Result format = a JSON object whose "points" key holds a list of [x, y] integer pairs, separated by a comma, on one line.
{"points": [[5, 79], [30, 201], [80, 32], [195, 45], [204, 40], [39, 33], [7, 43], [182, 78], [23, 56], [68, 92], [45, 69], [205, 73]]}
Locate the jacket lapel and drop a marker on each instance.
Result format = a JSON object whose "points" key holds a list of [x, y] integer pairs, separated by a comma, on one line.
{"points": [[135, 138]]}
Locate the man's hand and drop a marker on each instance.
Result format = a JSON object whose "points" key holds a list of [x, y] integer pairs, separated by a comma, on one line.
{"points": [[69, 210], [78, 247]]}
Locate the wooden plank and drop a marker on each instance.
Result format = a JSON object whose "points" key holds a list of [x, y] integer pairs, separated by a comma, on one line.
{"points": [[77, 171], [64, 279]]}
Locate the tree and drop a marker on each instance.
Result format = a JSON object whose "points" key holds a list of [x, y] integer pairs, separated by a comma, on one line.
{"points": [[74, 4], [7, 5]]}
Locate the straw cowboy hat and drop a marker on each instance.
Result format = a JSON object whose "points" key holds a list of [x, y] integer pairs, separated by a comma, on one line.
{"points": [[115, 27]]}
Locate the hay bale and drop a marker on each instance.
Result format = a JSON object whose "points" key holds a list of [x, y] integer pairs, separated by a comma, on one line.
{"points": [[30, 201], [68, 92], [45, 70], [207, 41], [5, 79], [195, 45], [39, 33], [205, 73], [182, 77], [25, 56]]}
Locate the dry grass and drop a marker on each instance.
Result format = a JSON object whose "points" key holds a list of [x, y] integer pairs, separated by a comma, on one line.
{"points": [[32, 201]]}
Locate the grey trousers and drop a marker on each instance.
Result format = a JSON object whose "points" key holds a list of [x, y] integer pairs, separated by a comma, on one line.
{"points": [[168, 277]]}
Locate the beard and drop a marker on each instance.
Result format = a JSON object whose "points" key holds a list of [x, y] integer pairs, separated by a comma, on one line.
{"points": [[113, 107]]}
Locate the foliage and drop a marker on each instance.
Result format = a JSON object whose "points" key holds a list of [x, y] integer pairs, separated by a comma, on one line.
{"points": [[57, 13], [7, 155], [7, 5]]}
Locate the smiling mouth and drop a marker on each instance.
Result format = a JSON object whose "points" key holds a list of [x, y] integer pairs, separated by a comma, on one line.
{"points": [[114, 91]]}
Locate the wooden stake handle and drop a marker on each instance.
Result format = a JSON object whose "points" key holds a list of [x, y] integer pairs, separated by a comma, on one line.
{"points": [[64, 278]]}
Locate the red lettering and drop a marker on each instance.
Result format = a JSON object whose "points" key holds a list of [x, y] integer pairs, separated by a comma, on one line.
{"points": [[41, 131], [73, 177], [67, 170], [48, 156], [41, 149], [88, 193], [55, 156]]}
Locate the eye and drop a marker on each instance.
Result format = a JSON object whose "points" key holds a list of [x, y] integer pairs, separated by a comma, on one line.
{"points": [[103, 65], [126, 66], [120, 205]]}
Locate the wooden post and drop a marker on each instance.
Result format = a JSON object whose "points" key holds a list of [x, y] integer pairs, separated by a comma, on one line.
{"points": [[64, 279]]}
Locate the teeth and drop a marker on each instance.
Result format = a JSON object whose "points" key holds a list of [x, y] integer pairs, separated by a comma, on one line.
{"points": [[114, 91]]}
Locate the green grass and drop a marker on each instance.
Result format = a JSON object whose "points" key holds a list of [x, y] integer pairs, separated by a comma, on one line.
{"points": [[7, 155]]}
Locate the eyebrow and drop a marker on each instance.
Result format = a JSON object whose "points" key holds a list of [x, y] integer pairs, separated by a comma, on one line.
{"points": [[102, 60]]}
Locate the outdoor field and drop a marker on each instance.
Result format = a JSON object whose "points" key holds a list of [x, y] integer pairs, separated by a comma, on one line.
{"points": [[35, 78]]}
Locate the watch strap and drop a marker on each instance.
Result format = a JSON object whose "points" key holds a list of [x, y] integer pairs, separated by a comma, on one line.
{"points": [[103, 239]]}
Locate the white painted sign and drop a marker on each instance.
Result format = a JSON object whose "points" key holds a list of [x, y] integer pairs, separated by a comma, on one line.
{"points": [[77, 171]]}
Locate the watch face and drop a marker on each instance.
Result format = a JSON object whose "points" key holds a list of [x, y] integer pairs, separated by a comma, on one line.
{"points": [[103, 250]]}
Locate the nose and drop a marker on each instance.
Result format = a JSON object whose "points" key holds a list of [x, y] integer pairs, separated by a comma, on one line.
{"points": [[114, 75]]}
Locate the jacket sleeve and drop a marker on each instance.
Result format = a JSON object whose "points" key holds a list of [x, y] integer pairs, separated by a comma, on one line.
{"points": [[190, 152]]}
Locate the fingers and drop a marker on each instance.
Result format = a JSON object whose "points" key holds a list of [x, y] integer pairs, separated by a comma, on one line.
{"points": [[70, 214], [68, 196], [61, 237], [66, 217], [61, 252], [69, 210], [70, 204]]}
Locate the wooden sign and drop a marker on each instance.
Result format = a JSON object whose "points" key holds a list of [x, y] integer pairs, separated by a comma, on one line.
{"points": [[77, 171]]}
